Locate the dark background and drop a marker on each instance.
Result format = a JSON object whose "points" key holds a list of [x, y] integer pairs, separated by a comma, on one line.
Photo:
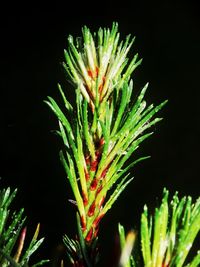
{"points": [[32, 40]]}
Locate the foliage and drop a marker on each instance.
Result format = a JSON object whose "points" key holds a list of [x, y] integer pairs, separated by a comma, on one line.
{"points": [[105, 127], [13, 233], [100, 133], [166, 236]]}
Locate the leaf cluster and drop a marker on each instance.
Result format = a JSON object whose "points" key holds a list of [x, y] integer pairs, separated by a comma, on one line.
{"points": [[13, 250]]}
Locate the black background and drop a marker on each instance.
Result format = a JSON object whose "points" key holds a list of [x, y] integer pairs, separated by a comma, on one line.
{"points": [[32, 41]]}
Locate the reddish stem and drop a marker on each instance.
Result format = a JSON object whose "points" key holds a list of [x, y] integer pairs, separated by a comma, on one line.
{"points": [[92, 74], [97, 71], [101, 202], [96, 231], [102, 84], [89, 235], [93, 165], [93, 185], [83, 223], [97, 220], [87, 176], [85, 199], [104, 172], [101, 142], [95, 162], [91, 209], [99, 189]]}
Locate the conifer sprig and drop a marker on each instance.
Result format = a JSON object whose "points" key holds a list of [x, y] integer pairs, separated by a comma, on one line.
{"points": [[105, 127], [96, 65], [13, 251], [94, 164], [168, 236]]}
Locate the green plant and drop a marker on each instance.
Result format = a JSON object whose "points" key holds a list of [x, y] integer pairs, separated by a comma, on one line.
{"points": [[102, 131], [166, 237], [13, 233]]}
